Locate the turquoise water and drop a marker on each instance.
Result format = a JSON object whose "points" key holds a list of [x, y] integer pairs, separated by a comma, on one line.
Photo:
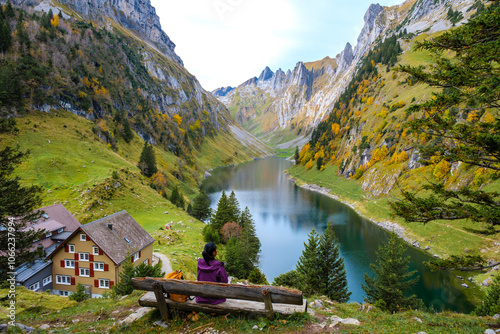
{"points": [[285, 214]]}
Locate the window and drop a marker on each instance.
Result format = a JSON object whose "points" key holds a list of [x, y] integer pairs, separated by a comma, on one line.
{"points": [[99, 266], [48, 234], [127, 240], [69, 263], [146, 262], [61, 279], [83, 237], [35, 287], [47, 280], [85, 272], [61, 230], [71, 248], [83, 256], [63, 293], [136, 257], [95, 250], [104, 283]]}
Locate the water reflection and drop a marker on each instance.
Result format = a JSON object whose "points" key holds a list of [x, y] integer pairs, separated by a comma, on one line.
{"points": [[285, 214]]}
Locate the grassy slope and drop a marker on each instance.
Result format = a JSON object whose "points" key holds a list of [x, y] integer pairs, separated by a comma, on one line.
{"points": [[75, 168], [102, 315]]}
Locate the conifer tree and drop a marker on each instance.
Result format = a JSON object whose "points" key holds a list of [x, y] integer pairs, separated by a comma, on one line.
{"points": [[147, 161], [176, 198], [17, 201], [250, 242], [124, 286], [297, 155], [234, 207], [388, 289], [226, 212], [491, 303], [234, 259], [128, 134], [309, 264], [201, 206], [332, 274], [462, 121], [9, 10]]}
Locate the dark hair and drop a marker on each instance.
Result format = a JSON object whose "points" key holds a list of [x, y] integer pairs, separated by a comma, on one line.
{"points": [[210, 248]]}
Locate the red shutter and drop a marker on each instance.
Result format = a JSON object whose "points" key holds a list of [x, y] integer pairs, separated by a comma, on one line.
{"points": [[77, 273], [111, 283], [72, 281], [106, 267], [101, 252], [62, 263], [66, 249], [139, 254], [96, 283], [91, 258], [76, 257], [91, 271], [147, 261], [132, 259]]}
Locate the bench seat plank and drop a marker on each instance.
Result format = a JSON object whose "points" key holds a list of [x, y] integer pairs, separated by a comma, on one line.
{"points": [[230, 306]]}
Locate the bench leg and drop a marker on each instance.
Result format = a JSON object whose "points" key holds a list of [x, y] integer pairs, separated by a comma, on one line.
{"points": [[269, 304], [162, 304]]}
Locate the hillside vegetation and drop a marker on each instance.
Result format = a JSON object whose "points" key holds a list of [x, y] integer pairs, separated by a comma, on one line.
{"points": [[366, 138]]}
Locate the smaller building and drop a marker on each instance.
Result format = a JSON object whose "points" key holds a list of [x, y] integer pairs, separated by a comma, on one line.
{"points": [[94, 254], [58, 224]]}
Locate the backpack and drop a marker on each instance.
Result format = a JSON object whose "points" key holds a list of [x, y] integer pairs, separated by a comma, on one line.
{"points": [[176, 275]]}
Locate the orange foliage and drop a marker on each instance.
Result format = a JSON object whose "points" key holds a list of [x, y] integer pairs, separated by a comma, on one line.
{"points": [[55, 21], [442, 169], [178, 119], [310, 164]]}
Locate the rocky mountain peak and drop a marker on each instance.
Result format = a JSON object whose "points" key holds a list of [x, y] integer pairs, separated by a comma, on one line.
{"points": [[371, 14], [137, 15], [266, 74], [223, 91]]}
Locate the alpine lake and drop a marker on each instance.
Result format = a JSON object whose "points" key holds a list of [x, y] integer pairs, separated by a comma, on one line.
{"points": [[285, 214]]}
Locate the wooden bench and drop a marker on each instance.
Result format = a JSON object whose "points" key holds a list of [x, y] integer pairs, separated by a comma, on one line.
{"points": [[257, 299]]}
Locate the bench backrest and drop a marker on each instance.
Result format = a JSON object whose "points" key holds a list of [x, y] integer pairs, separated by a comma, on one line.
{"points": [[221, 290]]}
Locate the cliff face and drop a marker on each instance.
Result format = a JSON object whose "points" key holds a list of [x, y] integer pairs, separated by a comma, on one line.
{"points": [[299, 99], [137, 15]]}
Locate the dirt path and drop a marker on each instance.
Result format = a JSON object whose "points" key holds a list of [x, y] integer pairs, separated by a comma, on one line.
{"points": [[166, 266]]}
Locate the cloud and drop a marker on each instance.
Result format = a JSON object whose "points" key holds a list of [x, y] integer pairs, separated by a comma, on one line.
{"points": [[225, 42]]}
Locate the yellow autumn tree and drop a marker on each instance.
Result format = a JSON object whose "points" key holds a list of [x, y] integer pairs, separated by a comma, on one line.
{"points": [[335, 129], [378, 155], [178, 119], [309, 164], [442, 169], [55, 21]]}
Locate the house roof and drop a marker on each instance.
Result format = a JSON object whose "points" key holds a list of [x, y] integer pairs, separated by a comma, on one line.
{"points": [[124, 238], [60, 214], [49, 225], [28, 270]]}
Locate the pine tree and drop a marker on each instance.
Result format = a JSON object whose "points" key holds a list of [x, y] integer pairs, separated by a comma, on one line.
{"points": [[224, 213], [124, 286], [491, 303], [176, 198], [466, 71], [9, 10], [234, 207], [128, 134], [189, 209], [147, 161], [21, 33], [234, 259], [297, 155], [201, 206], [332, 273], [392, 279], [250, 242], [319, 163], [17, 201], [308, 266], [79, 295]]}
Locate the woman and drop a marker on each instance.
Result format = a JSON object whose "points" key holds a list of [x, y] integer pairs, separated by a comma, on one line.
{"points": [[211, 270]]}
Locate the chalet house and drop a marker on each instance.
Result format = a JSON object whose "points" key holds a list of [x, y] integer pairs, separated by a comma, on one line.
{"points": [[94, 254], [58, 224]]}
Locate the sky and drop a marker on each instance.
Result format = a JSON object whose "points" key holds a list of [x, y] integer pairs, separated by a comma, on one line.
{"points": [[226, 42]]}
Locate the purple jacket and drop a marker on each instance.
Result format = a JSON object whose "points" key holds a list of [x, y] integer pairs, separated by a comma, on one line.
{"points": [[215, 272]]}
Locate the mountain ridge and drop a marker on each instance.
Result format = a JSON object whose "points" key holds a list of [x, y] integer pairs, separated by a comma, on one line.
{"points": [[286, 103]]}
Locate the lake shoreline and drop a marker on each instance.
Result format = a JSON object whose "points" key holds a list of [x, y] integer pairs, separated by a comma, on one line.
{"points": [[386, 225]]}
